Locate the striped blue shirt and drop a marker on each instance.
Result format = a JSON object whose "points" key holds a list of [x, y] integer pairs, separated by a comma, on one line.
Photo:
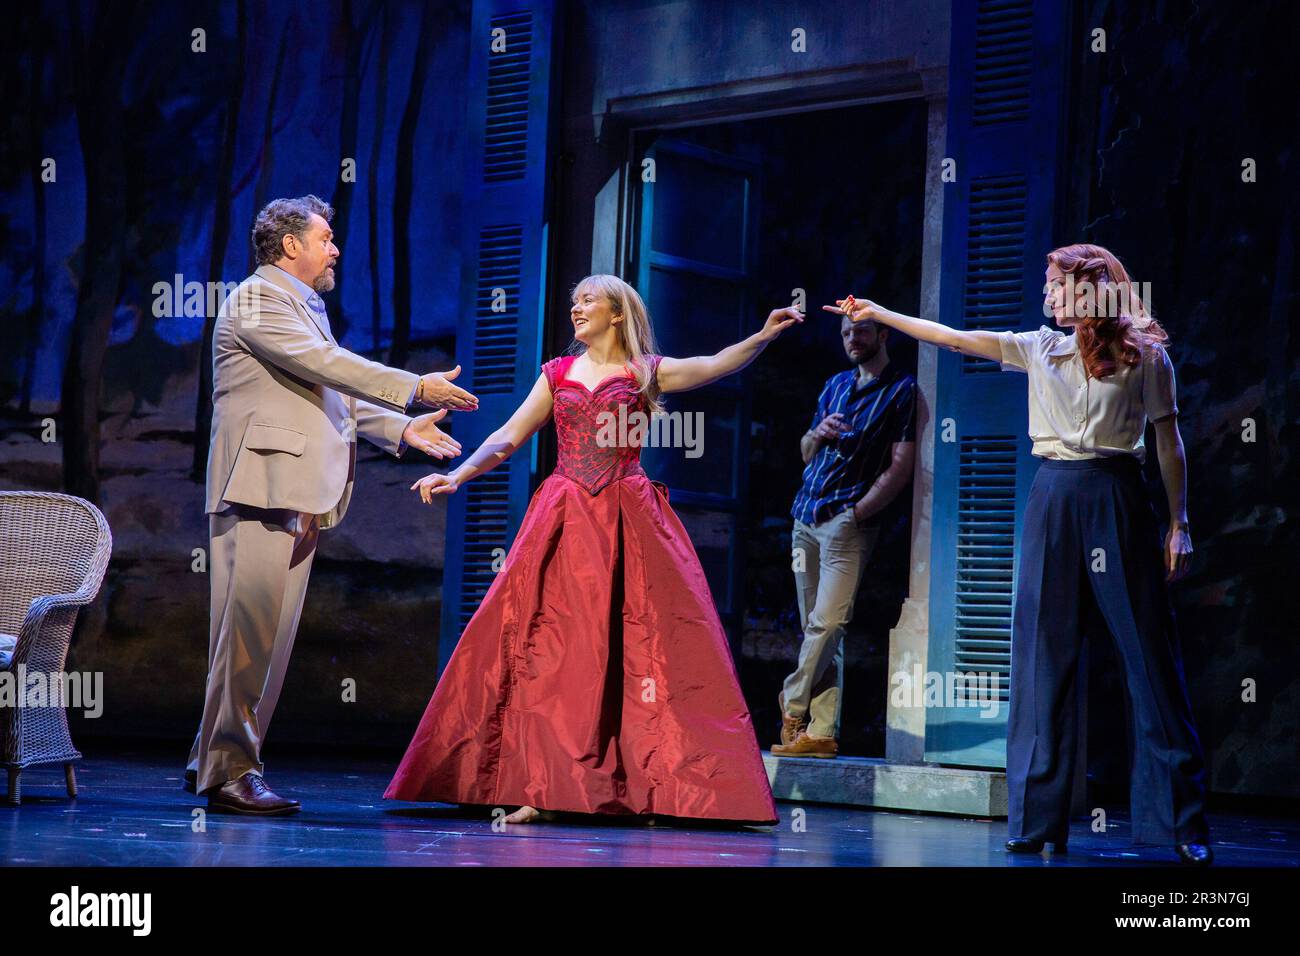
{"points": [[880, 413]]}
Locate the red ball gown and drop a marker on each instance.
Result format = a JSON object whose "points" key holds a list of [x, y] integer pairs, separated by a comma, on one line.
{"points": [[595, 676]]}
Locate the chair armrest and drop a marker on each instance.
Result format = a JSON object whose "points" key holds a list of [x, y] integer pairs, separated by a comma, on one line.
{"points": [[46, 603], [41, 608]]}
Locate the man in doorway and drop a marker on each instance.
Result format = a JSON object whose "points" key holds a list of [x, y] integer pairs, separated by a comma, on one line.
{"points": [[858, 456]]}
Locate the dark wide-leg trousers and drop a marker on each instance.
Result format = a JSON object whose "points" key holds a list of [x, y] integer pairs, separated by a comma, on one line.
{"points": [[1091, 550]]}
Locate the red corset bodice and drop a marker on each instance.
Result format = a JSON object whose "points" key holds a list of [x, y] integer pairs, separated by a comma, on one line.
{"points": [[592, 432]]}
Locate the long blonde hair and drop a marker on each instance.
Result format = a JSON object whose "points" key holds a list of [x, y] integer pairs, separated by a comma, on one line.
{"points": [[634, 332]]}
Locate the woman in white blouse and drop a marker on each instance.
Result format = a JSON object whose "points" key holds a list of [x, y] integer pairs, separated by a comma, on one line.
{"points": [[1090, 548]]}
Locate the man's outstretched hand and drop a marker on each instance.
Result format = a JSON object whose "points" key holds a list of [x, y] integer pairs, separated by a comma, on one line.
{"points": [[424, 434], [436, 391]]}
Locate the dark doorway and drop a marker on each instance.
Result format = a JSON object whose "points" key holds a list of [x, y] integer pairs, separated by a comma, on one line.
{"points": [[833, 202]]}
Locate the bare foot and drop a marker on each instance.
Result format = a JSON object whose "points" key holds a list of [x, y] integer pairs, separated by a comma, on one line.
{"points": [[523, 815]]}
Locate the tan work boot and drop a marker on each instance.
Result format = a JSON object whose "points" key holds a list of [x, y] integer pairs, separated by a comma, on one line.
{"points": [[791, 728], [806, 745], [790, 724]]}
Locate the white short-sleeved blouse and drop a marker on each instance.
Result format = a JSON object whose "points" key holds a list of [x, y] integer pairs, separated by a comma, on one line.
{"points": [[1073, 416]]}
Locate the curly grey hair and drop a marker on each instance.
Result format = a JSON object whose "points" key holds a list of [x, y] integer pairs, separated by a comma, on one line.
{"points": [[284, 217]]}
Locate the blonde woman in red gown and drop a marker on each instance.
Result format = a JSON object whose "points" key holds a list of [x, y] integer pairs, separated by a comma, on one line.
{"points": [[595, 676]]}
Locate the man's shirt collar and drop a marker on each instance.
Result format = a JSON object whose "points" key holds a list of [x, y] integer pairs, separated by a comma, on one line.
{"points": [[304, 290]]}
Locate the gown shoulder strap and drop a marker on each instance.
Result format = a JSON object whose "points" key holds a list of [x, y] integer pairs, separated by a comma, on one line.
{"points": [[556, 369]]}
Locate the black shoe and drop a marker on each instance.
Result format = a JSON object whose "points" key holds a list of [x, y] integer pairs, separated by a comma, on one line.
{"points": [[1195, 854], [1030, 845], [191, 783]]}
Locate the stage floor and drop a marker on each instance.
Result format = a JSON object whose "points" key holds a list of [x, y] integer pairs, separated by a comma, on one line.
{"points": [[132, 812]]}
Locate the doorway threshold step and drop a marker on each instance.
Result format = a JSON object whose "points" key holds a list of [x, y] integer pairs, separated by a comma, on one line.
{"points": [[881, 784]]}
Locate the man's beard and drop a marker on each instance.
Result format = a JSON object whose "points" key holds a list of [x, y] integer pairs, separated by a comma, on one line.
{"points": [[323, 282], [864, 357]]}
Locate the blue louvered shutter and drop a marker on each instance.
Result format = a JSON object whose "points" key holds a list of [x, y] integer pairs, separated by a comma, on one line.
{"points": [[499, 333], [1006, 99]]}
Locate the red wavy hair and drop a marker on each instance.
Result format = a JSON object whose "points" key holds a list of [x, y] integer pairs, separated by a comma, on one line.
{"points": [[1132, 327]]}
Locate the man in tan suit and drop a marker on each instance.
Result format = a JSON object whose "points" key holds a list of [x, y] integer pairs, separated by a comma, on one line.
{"points": [[288, 404]]}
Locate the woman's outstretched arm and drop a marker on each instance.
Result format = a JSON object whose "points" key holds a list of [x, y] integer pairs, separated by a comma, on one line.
{"points": [[497, 447], [980, 344], [684, 374]]}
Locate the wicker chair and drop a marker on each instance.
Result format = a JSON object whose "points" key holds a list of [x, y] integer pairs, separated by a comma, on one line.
{"points": [[53, 553]]}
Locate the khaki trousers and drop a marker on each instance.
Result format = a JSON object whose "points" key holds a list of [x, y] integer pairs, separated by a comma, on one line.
{"points": [[259, 563], [829, 558]]}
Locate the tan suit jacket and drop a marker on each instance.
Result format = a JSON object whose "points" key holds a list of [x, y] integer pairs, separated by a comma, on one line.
{"points": [[288, 403]]}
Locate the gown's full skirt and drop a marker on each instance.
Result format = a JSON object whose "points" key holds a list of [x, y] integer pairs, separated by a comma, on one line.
{"points": [[595, 676]]}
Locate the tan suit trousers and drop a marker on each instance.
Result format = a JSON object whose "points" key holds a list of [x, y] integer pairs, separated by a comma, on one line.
{"points": [[259, 563]]}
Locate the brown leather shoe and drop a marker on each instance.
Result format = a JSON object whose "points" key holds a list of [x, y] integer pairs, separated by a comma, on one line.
{"points": [[807, 746], [249, 794]]}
